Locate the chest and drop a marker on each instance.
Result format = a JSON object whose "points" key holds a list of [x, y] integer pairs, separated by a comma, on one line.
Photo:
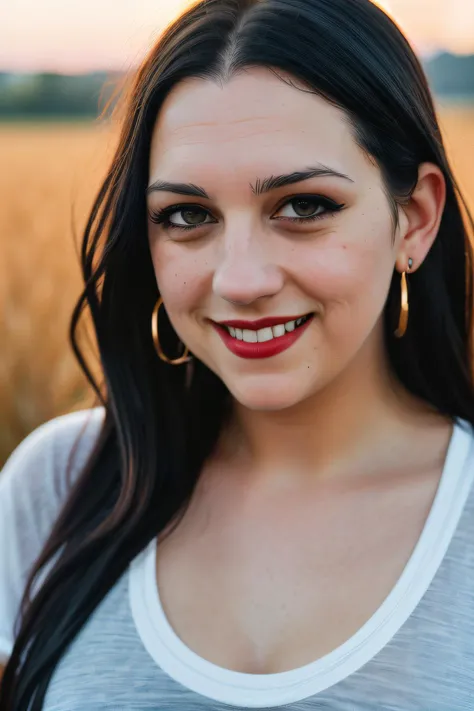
{"points": [[267, 588]]}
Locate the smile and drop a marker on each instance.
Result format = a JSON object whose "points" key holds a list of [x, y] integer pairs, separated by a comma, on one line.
{"points": [[263, 338], [266, 334]]}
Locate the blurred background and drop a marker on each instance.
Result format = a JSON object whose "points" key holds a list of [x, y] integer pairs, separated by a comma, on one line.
{"points": [[59, 63]]}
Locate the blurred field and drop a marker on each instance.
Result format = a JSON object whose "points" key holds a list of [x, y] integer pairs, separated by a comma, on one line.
{"points": [[45, 169]]}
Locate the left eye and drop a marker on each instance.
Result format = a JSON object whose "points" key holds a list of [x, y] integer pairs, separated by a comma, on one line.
{"points": [[302, 207], [188, 217]]}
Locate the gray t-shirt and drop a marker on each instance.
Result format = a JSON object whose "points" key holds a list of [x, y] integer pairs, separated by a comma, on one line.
{"points": [[416, 653]]}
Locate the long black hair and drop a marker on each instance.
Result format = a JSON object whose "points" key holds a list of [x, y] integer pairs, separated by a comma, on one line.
{"points": [[158, 430]]}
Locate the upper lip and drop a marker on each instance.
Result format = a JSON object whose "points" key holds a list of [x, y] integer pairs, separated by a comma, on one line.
{"points": [[261, 322]]}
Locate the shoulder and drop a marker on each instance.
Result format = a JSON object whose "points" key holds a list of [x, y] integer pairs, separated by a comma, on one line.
{"points": [[33, 488], [33, 482], [41, 458]]}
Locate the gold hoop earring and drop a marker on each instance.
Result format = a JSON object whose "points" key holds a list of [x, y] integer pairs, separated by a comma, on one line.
{"points": [[185, 358], [403, 320]]}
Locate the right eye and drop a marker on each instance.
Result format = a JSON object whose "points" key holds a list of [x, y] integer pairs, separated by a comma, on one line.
{"points": [[181, 217]]}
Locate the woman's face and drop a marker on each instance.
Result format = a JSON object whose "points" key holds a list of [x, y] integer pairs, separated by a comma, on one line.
{"points": [[250, 244]]}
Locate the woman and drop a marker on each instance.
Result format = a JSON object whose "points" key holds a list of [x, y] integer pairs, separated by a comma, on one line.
{"points": [[280, 279]]}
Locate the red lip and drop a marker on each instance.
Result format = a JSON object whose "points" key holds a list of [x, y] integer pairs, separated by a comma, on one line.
{"points": [[261, 322], [265, 349]]}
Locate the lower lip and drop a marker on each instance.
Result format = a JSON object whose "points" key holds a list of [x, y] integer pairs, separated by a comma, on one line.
{"points": [[265, 349]]}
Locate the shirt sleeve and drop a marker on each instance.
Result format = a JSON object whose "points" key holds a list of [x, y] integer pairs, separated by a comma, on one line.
{"points": [[33, 488]]}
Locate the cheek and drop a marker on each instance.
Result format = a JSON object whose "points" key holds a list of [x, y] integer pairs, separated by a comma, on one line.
{"points": [[182, 274], [350, 279]]}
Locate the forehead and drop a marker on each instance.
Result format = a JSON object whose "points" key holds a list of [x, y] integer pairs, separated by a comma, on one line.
{"points": [[254, 120]]}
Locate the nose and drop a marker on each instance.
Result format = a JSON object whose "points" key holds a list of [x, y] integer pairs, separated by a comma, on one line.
{"points": [[246, 271]]}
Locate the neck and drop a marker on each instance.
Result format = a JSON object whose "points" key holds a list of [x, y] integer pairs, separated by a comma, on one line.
{"points": [[349, 425]]}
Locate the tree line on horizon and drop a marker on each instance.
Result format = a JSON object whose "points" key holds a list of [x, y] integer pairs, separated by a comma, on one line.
{"points": [[60, 96], [50, 95]]}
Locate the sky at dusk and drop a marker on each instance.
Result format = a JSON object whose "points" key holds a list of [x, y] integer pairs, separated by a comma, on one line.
{"points": [[77, 36]]}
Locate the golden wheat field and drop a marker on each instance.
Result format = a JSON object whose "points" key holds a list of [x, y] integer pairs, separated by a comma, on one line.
{"points": [[47, 170]]}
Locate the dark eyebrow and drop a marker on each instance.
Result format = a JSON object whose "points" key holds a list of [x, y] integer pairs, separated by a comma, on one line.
{"points": [[180, 188], [260, 187], [278, 181]]}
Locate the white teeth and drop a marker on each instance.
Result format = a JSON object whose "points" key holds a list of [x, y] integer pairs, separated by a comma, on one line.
{"points": [[249, 336], [264, 334]]}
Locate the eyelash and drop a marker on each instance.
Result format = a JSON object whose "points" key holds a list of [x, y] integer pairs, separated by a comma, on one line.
{"points": [[161, 216]]}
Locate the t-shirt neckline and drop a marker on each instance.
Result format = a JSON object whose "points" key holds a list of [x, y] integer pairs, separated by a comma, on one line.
{"points": [[267, 690]]}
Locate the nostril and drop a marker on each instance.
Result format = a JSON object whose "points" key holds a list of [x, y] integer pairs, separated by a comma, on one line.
{"points": [[242, 283]]}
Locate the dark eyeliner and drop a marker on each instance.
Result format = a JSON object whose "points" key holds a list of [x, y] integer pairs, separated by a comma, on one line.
{"points": [[162, 215], [331, 207]]}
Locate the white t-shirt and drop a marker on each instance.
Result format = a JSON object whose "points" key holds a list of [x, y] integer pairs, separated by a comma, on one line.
{"points": [[416, 653]]}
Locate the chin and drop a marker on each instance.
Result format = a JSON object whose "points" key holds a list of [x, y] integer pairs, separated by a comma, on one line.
{"points": [[269, 393]]}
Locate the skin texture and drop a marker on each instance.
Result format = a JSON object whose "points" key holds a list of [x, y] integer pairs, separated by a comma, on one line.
{"points": [[244, 263], [307, 513], [306, 516]]}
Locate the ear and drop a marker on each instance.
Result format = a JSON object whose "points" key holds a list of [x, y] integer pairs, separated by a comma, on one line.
{"points": [[421, 218]]}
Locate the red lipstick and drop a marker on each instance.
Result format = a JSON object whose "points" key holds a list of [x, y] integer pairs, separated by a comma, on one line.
{"points": [[265, 349], [261, 322]]}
